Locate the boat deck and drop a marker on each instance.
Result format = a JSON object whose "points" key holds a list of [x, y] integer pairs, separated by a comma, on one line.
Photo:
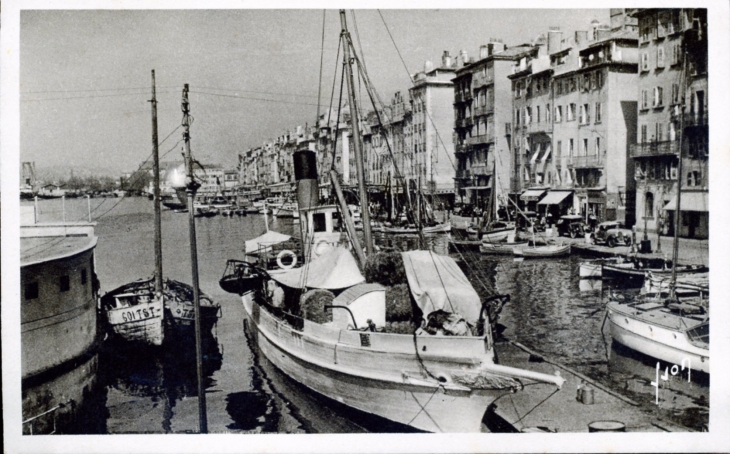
{"points": [[657, 314], [40, 249], [562, 412]]}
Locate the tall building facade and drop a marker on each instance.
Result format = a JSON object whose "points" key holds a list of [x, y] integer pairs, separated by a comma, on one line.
{"points": [[672, 121]]}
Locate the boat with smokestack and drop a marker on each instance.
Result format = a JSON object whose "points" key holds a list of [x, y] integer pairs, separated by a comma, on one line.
{"points": [[326, 327]]}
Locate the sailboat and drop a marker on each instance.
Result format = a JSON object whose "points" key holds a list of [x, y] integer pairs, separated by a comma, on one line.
{"points": [[664, 323], [143, 310], [491, 228], [325, 327], [535, 251]]}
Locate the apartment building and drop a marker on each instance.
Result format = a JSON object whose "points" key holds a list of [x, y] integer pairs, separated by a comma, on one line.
{"points": [[672, 121], [483, 120]]}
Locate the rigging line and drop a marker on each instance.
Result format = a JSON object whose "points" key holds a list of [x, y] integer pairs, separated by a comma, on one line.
{"points": [[334, 81], [337, 126], [258, 92], [321, 65], [396, 46], [252, 99], [540, 403], [88, 97]]}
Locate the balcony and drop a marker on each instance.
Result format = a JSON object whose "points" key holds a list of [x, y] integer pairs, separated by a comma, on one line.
{"points": [[462, 174], [480, 169], [464, 122], [693, 119], [479, 80], [541, 127], [586, 162], [463, 96], [484, 138], [667, 148], [483, 110]]}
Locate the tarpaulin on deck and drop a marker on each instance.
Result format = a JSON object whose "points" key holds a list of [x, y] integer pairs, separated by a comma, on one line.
{"points": [[437, 282], [265, 241], [332, 270]]}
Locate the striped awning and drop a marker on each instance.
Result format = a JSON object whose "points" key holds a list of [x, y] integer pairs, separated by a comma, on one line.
{"points": [[532, 195], [555, 197]]}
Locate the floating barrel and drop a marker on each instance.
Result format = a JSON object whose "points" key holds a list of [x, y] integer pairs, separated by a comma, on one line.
{"points": [[305, 173], [607, 426]]}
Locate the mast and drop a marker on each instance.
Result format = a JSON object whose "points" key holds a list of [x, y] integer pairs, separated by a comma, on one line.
{"points": [[678, 213], [355, 119], [191, 188], [156, 171]]}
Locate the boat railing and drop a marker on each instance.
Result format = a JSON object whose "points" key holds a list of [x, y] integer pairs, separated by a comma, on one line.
{"points": [[30, 421]]}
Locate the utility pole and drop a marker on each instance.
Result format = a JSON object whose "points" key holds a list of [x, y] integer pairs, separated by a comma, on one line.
{"points": [[191, 187], [356, 136], [156, 171]]}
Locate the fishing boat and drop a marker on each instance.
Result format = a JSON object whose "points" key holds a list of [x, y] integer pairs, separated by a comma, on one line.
{"points": [[505, 248], [668, 326], [287, 210], [635, 269], [591, 269], [547, 251], [136, 311], [490, 228], [444, 227], [325, 327]]}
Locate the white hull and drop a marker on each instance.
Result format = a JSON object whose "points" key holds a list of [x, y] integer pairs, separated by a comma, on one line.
{"points": [[589, 270], [139, 323], [498, 236], [666, 344], [381, 375], [542, 251], [501, 248]]}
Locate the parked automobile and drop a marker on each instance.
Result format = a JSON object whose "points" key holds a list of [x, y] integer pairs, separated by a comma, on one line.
{"points": [[612, 233], [571, 225]]}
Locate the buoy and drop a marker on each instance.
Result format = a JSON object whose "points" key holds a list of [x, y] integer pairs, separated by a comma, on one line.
{"points": [[286, 253], [606, 426]]}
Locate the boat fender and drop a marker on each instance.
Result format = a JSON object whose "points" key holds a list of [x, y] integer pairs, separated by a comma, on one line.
{"points": [[285, 253], [321, 246]]}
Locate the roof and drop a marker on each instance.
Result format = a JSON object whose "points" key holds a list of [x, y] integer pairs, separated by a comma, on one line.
{"points": [[34, 250]]}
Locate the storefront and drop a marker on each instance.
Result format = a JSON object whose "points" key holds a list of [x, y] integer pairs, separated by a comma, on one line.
{"points": [[695, 215], [555, 203], [530, 198]]}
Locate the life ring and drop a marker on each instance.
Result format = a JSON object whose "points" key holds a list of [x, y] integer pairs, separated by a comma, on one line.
{"points": [[321, 246], [285, 253]]}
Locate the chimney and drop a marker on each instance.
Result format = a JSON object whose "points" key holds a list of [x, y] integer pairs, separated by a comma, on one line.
{"points": [[483, 52], [603, 32], [428, 66], [463, 58], [495, 45], [446, 60], [581, 37], [555, 37]]}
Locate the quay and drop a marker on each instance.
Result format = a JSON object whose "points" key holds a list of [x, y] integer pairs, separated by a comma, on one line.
{"points": [[545, 409]]}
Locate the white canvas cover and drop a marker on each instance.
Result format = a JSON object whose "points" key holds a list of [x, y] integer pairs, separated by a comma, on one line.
{"points": [[335, 269], [437, 282], [265, 241]]}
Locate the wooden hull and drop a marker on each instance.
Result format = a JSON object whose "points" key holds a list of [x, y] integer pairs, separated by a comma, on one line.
{"points": [[378, 373], [497, 236], [501, 248], [140, 323], [542, 251], [182, 315], [440, 228], [590, 270], [667, 344]]}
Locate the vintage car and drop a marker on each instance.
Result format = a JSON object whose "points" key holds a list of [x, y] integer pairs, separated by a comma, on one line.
{"points": [[571, 225], [612, 233]]}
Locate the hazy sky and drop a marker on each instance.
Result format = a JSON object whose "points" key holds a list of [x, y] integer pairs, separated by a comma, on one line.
{"points": [[85, 75]]}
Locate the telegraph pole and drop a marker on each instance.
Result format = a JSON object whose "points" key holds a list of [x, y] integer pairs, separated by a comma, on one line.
{"points": [[191, 187]]}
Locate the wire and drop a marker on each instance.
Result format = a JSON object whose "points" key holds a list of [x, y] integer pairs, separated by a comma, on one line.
{"points": [[86, 97], [396, 47], [259, 91], [253, 99]]}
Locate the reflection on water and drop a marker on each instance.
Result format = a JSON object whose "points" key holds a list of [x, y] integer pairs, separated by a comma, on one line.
{"points": [[551, 311]]}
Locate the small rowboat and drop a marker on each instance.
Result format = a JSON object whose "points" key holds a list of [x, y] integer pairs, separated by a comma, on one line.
{"points": [[438, 228], [594, 268], [501, 248], [551, 250]]}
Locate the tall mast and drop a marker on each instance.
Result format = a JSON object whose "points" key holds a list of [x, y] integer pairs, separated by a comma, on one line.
{"points": [[354, 117], [156, 171], [678, 213]]}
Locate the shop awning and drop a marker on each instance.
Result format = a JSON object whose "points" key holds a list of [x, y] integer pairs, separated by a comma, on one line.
{"points": [[555, 198], [691, 201], [532, 195]]}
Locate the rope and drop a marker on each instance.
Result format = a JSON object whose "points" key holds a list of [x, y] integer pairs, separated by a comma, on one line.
{"points": [[321, 62], [396, 46], [539, 403]]}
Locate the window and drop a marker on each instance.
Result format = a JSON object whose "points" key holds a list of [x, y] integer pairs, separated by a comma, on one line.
{"points": [[528, 115], [537, 113], [585, 114], [643, 133], [571, 112], [585, 147], [599, 79], [659, 132], [559, 88], [517, 117], [658, 97], [547, 113], [83, 277], [694, 178], [645, 61], [572, 84], [649, 205], [571, 147], [676, 56], [660, 57], [598, 146], [672, 132], [644, 99], [675, 94], [559, 150], [558, 114], [30, 290], [598, 112], [64, 283]]}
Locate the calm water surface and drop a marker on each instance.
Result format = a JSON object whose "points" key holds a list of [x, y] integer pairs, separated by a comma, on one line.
{"points": [[551, 311]]}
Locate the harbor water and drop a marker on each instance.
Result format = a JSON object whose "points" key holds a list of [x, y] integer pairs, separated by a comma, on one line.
{"points": [[551, 311]]}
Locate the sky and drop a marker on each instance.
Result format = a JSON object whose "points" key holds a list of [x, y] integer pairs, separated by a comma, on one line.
{"points": [[253, 74]]}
